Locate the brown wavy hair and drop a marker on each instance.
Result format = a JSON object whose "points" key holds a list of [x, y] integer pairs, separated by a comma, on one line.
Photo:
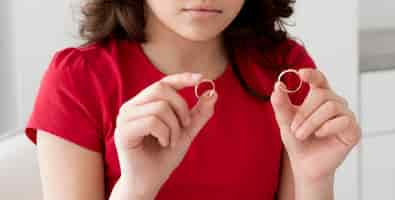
{"points": [[260, 23]]}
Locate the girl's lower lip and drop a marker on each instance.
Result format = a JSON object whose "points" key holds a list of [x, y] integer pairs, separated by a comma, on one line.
{"points": [[202, 12]]}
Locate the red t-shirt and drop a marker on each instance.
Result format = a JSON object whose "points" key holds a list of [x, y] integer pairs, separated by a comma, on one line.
{"points": [[237, 155]]}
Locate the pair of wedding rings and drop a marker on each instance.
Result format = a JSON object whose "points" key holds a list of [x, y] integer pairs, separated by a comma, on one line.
{"points": [[279, 79]]}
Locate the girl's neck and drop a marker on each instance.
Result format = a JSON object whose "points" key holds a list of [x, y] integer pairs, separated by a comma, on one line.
{"points": [[171, 53]]}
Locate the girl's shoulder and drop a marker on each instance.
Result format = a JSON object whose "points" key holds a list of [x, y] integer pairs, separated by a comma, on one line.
{"points": [[296, 53], [91, 67], [99, 60], [81, 56], [289, 52]]}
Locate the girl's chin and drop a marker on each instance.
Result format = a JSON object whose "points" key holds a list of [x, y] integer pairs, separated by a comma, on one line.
{"points": [[199, 36]]}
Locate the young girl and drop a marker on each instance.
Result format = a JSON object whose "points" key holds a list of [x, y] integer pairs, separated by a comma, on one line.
{"points": [[118, 118]]}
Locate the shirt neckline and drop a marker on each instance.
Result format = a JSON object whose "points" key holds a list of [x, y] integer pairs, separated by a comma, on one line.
{"points": [[159, 74]]}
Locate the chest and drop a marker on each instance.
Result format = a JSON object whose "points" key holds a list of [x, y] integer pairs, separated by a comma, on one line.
{"points": [[239, 148]]}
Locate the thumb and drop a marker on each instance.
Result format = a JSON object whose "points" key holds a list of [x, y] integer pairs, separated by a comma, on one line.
{"points": [[283, 108], [202, 112]]}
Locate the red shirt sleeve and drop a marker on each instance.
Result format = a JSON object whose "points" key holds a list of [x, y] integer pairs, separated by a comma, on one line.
{"points": [[66, 104]]}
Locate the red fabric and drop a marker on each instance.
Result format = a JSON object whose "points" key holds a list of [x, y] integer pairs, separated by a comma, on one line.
{"points": [[235, 156]]}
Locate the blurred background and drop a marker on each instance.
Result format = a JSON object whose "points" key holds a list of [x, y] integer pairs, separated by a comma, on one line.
{"points": [[353, 43]]}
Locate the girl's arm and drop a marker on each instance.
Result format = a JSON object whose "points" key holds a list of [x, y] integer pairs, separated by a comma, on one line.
{"points": [[290, 189], [286, 185], [69, 171]]}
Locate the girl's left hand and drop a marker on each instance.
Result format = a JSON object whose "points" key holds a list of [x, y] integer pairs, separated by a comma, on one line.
{"points": [[319, 133]]}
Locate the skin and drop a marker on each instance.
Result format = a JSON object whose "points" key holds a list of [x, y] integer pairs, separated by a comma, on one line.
{"points": [[180, 42], [317, 136], [156, 126]]}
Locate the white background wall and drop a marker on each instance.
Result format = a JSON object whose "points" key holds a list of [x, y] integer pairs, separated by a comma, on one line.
{"points": [[8, 110], [378, 170], [377, 14], [329, 32], [41, 28]]}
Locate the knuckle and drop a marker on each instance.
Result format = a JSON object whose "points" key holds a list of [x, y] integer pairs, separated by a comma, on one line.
{"points": [[354, 139], [353, 117], [160, 86], [122, 108], [357, 135], [184, 77], [323, 130], [275, 101], [314, 122], [174, 77], [272, 99], [322, 77], [118, 121], [354, 136], [117, 131], [332, 106], [119, 134], [120, 118], [344, 101], [152, 121], [322, 94], [348, 121], [162, 107], [320, 74]]}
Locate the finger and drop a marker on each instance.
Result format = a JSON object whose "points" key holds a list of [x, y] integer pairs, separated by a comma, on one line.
{"points": [[334, 126], [166, 90], [284, 112], [314, 77], [132, 134], [160, 109], [202, 111], [324, 113], [352, 136], [315, 98], [158, 129], [182, 80], [282, 106], [344, 128]]}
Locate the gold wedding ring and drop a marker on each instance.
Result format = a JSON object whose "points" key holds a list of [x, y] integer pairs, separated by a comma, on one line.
{"points": [[290, 71], [203, 81]]}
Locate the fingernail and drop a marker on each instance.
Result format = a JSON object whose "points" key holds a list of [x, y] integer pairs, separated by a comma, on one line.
{"points": [[165, 144], [276, 85], [279, 85], [209, 94], [196, 76]]}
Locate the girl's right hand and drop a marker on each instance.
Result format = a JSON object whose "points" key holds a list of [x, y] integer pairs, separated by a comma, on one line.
{"points": [[154, 130]]}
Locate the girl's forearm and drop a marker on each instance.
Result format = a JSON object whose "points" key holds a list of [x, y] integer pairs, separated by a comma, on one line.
{"points": [[123, 190], [313, 190]]}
